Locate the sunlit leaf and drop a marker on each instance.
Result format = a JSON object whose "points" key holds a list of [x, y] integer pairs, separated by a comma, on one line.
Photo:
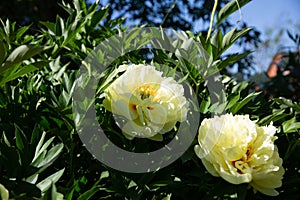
{"points": [[45, 184], [290, 126], [230, 8]]}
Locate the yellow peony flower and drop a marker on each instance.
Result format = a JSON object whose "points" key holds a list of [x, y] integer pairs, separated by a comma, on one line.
{"points": [[4, 193], [150, 103], [239, 151]]}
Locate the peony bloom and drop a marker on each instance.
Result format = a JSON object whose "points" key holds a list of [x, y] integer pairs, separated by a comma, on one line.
{"points": [[4, 193], [151, 104], [240, 151]]}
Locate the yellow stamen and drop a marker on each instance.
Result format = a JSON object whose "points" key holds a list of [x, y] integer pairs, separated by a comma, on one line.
{"points": [[146, 91]]}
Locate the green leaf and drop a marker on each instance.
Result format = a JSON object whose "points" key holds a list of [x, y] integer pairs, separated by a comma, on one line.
{"points": [[80, 6], [231, 59], [37, 160], [220, 108], [59, 26], [2, 52], [231, 37], [51, 155], [50, 26], [228, 38], [217, 39], [168, 197], [288, 102], [242, 103], [290, 126], [131, 184], [233, 101], [21, 32], [22, 53], [35, 135], [99, 16], [162, 183], [33, 178], [240, 34], [230, 8], [39, 148], [13, 69], [52, 194], [204, 105], [16, 73], [6, 140], [275, 116], [19, 140], [90, 193], [45, 184]]}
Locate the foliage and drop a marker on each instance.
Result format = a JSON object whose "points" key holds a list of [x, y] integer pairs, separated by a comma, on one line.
{"points": [[41, 155], [286, 85], [179, 15], [188, 15]]}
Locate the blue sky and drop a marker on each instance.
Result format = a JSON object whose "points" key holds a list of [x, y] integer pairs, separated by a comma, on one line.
{"points": [[272, 15], [276, 14]]}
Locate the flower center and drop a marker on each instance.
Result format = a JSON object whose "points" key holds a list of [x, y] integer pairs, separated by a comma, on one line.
{"points": [[146, 91], [242, 165]]}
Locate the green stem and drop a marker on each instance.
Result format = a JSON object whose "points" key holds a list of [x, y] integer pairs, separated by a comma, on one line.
{"points": [[212, 20], [169, 11]]}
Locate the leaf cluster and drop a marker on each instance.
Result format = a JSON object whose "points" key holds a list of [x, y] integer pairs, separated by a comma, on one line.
{"points": [[41, 154]]}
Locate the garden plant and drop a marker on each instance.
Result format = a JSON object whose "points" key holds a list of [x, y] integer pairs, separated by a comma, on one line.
{"points": [[93, 109]]}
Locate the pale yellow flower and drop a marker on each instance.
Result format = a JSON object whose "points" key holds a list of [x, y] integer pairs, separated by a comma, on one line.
{"points": [[4, 193], [239, 151], [150, 103]]}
